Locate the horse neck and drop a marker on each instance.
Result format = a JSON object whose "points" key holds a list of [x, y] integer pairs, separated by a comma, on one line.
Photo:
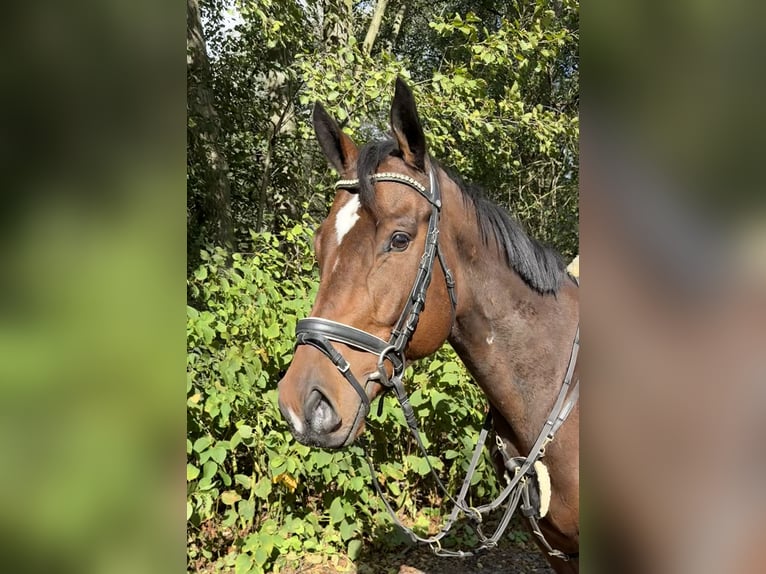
{"points": [[515, 342]]}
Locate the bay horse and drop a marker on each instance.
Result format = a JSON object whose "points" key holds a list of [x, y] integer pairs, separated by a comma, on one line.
{"points": [[503, 301]]}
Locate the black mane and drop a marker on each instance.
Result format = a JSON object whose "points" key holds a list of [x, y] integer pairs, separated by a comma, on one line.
{"points": [[541, 268]]}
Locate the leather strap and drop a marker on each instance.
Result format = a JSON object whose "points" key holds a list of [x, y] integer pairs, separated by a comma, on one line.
{"points": [[318, 327]]}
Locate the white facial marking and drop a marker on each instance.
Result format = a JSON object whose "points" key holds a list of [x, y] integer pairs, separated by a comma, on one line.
{"points": [[297, 422], [491, 338], [346, 218]]}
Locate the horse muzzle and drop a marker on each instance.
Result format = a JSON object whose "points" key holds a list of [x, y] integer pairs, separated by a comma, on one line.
{"points": [[316, 415]]}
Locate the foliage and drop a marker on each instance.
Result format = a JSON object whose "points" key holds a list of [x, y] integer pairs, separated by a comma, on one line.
{"points": [[496, 84], [497, 88], [249, 482]]}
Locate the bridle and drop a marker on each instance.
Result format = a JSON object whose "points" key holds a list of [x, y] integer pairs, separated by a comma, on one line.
{"points": [[321, 333]]}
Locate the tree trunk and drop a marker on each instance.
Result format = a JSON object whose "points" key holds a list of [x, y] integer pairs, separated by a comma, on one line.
{"points": [[205, 128], [336, 22], [398, 19], [372, 31], [280, 123]]}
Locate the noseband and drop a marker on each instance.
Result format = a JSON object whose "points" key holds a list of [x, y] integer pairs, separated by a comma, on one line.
{"points": [[321, 333]]}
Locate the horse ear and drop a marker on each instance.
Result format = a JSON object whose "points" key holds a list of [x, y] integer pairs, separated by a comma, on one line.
{"points": [[406, 126], [339, 149]]}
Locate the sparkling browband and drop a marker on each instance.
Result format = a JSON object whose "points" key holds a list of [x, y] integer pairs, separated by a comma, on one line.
{"points": [[385, 176]]}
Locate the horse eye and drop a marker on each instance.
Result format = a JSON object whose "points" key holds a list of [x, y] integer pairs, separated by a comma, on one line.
{"points": [[400, 241]]}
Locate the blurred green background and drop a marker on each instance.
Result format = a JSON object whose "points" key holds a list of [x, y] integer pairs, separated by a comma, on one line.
{"points": [[95, 210], [92, 289]]}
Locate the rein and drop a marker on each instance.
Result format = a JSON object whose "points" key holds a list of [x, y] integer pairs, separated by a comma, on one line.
{"points": [[321, 333]]}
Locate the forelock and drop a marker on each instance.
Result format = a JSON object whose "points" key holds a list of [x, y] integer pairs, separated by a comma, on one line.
{"points": [[371, 155]]}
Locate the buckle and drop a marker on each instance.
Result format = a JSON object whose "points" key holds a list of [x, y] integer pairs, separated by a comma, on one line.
{"points": [[390, 350]]}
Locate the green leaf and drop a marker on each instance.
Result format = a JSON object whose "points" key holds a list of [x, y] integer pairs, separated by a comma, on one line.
{"points": [[243, 480], [272, 331], [416, 398], [202, 443], [276, 463], [230, 497], [218, 454], [420, 465], [347, 529], [321, 458], [243, 564], [337, 513], [192, 472], [260, 555], [263, 488], [246, 510], [268, 541], [209, 469], [392, 471], [354, 548]]}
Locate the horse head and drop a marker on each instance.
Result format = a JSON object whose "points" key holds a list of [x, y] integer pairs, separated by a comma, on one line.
{"points": [[376, 251]]}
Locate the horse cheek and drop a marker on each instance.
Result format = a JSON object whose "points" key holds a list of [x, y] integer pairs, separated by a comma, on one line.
{"points": [[433, 327]]}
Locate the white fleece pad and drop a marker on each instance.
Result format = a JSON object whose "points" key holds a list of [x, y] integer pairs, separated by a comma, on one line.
{"points": [[544, 486]]}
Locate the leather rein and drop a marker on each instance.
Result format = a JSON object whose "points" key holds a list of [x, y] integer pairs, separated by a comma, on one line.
{"points": [[321, 333]]}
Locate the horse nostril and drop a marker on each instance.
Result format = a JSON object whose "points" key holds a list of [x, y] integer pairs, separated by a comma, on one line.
{"points": [[320, 415]]}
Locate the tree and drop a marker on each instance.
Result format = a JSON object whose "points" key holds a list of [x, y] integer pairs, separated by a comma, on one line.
{"points": [[207, 160], [497, 87], [374, 28]]}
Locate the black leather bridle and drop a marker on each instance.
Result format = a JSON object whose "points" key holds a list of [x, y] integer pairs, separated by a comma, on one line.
{"points": [[321, 333]]}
